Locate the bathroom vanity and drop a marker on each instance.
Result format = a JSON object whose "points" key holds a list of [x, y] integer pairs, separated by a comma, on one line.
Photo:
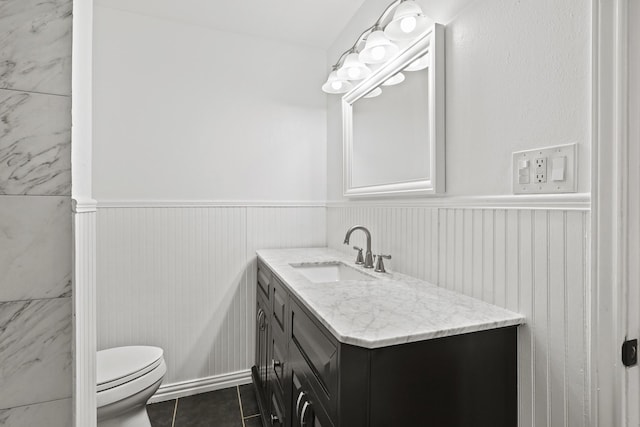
{"points": [[338, 345]]}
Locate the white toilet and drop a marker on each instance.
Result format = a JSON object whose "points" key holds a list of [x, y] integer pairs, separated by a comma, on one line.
{"points": [[127, 377]]}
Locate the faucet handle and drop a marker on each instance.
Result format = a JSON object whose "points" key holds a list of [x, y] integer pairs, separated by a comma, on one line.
{"points": [[380, 263], [359, 257]]}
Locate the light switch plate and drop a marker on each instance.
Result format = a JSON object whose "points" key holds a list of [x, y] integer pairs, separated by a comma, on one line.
{"points": [[549, 157]]}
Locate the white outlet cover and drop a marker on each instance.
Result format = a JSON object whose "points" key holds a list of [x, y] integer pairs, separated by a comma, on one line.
{"points": [[568, 185]]}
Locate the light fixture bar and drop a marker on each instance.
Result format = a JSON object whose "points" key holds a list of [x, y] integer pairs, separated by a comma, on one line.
{"points": [[365, 33]]}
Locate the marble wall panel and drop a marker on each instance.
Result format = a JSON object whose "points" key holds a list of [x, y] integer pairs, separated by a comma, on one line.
{"points": [[35, 351], [51, 414], [35, 144], [35, 45], [35, 232], [35, 237]]}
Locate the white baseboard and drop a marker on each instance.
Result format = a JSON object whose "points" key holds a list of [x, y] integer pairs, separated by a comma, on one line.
{"points": [[201, 385]]}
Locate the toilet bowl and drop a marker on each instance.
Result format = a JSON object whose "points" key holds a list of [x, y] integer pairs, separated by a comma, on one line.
{"points": [[127, 377]]}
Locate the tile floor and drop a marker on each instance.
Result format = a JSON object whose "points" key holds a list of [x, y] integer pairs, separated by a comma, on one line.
{"points": [[230, 407]]}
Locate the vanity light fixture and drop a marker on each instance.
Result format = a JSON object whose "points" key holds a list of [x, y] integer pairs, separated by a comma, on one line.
{"points": [[335, 84], [401, 21]]}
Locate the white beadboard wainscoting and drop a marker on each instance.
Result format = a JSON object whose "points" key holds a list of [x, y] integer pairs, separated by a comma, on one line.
{"points": [[532, 260], [181, 276], [84, 314]]}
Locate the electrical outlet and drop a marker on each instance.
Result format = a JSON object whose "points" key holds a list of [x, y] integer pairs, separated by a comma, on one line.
{"points": [[541, 169], [545, 170]]}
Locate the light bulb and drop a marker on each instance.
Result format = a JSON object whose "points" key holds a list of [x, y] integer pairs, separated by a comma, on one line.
{"points": [[408, 24], [336, 84], [377, 53], [352, 68]]}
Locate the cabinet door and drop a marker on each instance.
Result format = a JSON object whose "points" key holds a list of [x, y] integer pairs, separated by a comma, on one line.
{"points": [[320, 354], [278, 353], [305, 408], [280, 299], [262, 343], [302, 410]]}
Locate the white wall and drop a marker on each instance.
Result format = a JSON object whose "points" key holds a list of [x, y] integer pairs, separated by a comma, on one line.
{"points": [[186, 117], [186, 112], [517, 77], [632, 297], [81, 105]]}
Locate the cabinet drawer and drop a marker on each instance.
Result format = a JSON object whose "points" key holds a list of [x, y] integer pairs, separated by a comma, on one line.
{"points": [[317, 348], [264, 279], [280, 298]]}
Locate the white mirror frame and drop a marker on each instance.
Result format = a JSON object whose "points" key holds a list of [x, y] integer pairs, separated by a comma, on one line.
{"points": [[433, 42]]}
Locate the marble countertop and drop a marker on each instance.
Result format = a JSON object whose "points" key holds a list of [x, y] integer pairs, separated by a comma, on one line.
{"points": [[390, 309]]}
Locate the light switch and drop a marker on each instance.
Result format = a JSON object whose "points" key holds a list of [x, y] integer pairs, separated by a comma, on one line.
{"points": [[558, 166], [523, 179], [523, 171]]}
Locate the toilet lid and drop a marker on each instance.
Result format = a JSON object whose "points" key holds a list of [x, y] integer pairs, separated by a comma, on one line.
{"points": [[119, 365]]}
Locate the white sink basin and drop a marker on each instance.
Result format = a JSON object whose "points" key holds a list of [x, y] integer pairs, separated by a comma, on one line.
{"points": [[330, 272]]}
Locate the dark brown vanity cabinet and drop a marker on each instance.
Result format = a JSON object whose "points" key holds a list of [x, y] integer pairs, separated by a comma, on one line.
{"points": [[306, 378]]}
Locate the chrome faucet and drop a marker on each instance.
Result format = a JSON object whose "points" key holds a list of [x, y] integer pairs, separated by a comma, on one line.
{"points": [[368, 257]]}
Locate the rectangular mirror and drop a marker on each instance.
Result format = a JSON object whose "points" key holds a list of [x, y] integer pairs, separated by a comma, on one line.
{"points": [[394, 142]]}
